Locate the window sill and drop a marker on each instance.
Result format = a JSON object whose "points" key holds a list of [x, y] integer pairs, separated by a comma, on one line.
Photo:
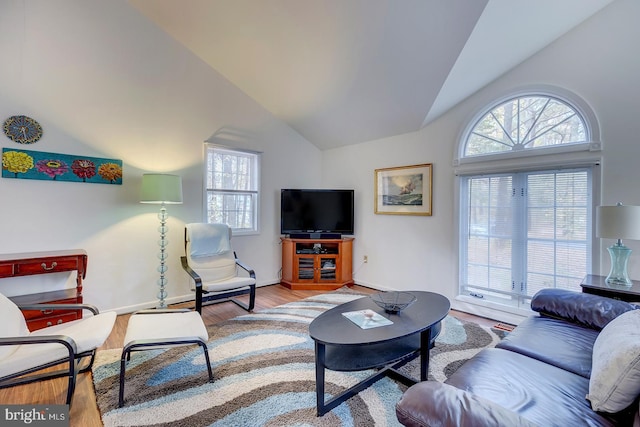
{"points": [[491, 310], [245, 233]]}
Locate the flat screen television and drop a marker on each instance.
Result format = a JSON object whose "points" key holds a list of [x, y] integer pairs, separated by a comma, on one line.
{"points": [[316, 213]]}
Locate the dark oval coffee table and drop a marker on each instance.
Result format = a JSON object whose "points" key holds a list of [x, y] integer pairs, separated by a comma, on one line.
{"points": [[341, 345]]}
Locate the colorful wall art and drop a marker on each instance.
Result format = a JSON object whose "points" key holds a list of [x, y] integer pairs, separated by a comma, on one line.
{"points": [[25, 164]]}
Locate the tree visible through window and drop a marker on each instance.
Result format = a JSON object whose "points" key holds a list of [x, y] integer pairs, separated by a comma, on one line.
{"points": [[232, 185], [524, 230]]}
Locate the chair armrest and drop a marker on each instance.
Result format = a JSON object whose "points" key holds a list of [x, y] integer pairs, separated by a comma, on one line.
{"points": [[89, 307], [196, 278], [161, 311], [245, 267], [430, 403], [593, 311], [41, 339]]}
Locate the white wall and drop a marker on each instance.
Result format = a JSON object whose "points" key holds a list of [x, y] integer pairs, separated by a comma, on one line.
{"points": [[105, 82], [596, 61]]}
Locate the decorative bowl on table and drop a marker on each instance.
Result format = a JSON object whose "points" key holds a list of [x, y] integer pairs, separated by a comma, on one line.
{"points": [[393, 302]]}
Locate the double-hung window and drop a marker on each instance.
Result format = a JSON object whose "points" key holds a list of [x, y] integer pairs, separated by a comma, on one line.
{"points": [[525, 231], [232, 188], [525, 215]]}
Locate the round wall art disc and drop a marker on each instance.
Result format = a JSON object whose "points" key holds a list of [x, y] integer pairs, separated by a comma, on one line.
{"points": [[22, 129]]}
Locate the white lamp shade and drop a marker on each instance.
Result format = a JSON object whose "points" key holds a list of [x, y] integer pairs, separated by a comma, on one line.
{"points": [[618, 222], [161, 188]]}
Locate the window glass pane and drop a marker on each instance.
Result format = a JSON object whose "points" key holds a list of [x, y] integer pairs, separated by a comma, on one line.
{"points": [[537, 282], [501, 253], [478, 275], [500, 279], [542, 257], [235, 210], [541, 223], [488, 137], [571, 260], [556, 124], [232, 172], [507, 116]]}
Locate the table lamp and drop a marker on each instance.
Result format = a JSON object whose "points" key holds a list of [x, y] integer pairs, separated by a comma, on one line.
{"points": [[162, 189], [618, 222]]}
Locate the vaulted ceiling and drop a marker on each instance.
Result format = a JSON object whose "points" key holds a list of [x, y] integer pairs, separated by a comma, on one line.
{"points": [[347, 71]]}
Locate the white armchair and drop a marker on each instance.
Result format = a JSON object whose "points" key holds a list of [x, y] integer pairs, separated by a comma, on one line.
{"points": [[24, 353], [211, 263]]}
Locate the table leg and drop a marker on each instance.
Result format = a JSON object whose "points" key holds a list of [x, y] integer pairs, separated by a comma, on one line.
{"points": [[390, 371], [425, 338], [320, 359]]}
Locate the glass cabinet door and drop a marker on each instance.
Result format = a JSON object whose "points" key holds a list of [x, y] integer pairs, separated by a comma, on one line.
{"points": [[327, 268], [306, 268]]}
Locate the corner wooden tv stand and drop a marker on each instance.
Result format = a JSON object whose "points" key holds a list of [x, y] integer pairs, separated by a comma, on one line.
{"points": [[318, 264]]}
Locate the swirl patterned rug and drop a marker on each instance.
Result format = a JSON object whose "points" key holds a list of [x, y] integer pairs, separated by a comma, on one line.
{"points": [[264, 375]]}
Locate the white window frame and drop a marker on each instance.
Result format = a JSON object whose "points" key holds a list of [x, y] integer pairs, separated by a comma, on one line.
{"points": [[592, 143], [569, 156], [253, 191]]}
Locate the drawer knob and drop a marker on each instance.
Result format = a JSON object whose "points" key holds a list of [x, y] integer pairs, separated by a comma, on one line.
{"points": [[44, 266], [59, 322]]}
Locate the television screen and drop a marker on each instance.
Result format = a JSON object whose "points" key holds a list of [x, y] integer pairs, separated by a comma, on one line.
{"points": [[316, 211]]}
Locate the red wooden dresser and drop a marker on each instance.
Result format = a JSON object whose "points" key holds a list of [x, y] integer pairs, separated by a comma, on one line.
{"points": [[33, 263]]}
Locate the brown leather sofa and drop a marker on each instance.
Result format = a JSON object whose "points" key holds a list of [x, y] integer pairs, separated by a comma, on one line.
{"points": [[539, 375]]}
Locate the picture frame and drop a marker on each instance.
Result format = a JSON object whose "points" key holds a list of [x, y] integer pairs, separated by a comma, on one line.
{"points": [[404, 190]]}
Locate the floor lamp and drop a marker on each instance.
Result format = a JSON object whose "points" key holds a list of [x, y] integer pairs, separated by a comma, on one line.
{"points": [[162, 189], [618, 222]]}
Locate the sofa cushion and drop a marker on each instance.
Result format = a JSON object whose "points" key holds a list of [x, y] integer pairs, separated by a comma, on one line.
{"points": [[423, 405], [615, 374], [593, 311], [541, 393], [563, 344]]}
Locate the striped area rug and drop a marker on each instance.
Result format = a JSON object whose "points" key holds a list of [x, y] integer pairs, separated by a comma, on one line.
{"points": [[264, 375]]}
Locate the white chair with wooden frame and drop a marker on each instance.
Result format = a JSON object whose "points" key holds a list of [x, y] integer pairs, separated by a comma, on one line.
{"points": [[23, 353], [217, 273]]}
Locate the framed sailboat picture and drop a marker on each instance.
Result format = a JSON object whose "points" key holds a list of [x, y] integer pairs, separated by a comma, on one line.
{"points": [[404, 190]]}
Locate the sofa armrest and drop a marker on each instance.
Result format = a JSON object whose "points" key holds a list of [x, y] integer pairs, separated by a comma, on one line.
{"points": [[593, 311], [431, 404]]}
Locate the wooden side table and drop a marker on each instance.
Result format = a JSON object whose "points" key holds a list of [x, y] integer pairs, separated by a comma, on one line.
{"points": [[594, 284], [34, 263]]}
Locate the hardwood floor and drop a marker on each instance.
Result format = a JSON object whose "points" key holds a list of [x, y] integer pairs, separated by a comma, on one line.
{"points": [[84, 411]]}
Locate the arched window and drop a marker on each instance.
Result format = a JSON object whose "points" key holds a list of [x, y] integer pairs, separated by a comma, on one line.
{"points": [[526, 123], [525, 199]]}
